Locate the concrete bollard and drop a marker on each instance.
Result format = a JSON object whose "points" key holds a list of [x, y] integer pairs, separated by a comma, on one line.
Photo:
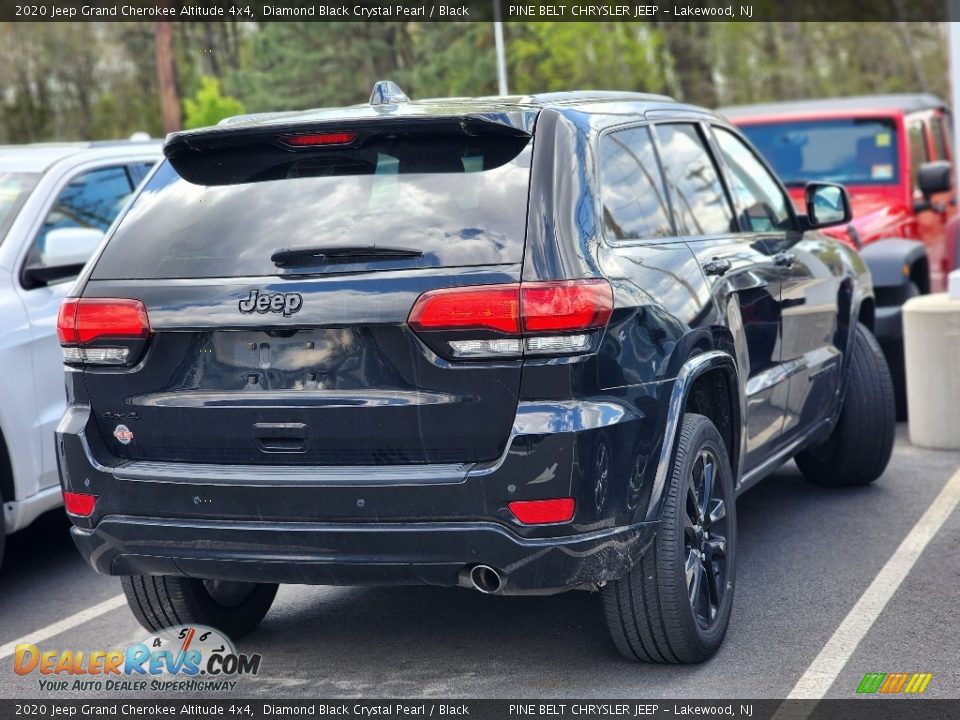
{"points": [[931, 345]]}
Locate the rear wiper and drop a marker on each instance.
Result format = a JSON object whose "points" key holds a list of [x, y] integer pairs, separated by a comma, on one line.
{"points": [[286, 257]]}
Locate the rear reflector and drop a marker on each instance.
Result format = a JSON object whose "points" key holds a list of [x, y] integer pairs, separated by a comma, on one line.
{"points": [[83, 320], [79, 504], [313, 139], [540, 512]]}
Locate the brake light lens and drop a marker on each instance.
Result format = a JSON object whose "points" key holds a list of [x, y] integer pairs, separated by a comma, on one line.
{"points": [[566, 306], [552, 317], [84, 320], [485, 307], [79, 504], [314, 139], [542, 512]]}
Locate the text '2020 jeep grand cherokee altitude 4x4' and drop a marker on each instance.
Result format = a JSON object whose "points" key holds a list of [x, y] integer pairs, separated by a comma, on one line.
{"points": [[518, 344]]}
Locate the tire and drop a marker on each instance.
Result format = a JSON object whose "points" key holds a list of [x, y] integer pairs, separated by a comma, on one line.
{"points": [[3, 532], [859, 448], [234, 608], [649, 611]]}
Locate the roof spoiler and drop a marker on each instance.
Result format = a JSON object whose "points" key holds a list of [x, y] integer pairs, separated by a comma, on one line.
{"points": [[226, 154]]}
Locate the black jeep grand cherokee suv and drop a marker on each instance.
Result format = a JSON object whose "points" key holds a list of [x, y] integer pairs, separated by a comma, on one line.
{"points": [[520, 344]]}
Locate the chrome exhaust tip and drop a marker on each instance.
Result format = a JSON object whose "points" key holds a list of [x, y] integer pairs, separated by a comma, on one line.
{"points": [[486, 579]]}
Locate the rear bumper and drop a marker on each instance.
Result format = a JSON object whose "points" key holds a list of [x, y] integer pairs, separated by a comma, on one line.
{"points": [[384, 525], [353, 554]]}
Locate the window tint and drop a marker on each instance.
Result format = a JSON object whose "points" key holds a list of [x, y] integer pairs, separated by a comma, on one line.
{"points": [[939, 141], [455, 202], [918, 147], [14, 190], [91, 200], [634, 198], [857, 151], [761, 204], [139, 170], [699, 200]]}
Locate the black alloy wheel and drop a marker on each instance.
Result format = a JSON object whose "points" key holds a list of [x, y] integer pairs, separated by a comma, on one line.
{"points": [[705, 539]]}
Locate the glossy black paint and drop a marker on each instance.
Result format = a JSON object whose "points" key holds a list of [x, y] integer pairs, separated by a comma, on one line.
{"points": [[397, 464]]}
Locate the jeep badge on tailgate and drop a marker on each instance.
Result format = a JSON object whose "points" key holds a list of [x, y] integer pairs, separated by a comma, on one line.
{"points": [[287, 303]]}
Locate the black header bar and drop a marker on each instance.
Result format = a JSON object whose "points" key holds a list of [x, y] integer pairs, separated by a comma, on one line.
{"points": [[553, 709], [477, 10]]}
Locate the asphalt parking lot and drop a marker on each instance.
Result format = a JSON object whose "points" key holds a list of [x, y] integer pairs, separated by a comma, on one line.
{"points": [[806, 555]]}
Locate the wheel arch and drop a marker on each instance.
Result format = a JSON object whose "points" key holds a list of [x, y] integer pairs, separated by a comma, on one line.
{"points": [[708, 383], [896, 262]]}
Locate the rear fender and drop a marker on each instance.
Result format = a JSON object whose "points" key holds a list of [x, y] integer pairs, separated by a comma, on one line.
{"points": [[693, 368]]}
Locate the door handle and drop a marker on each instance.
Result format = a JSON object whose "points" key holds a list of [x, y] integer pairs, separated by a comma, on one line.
{"points": [[784, 259], [717, 266]]}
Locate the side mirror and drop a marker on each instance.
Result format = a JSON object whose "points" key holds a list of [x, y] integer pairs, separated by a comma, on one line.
{"points": [[827, 204], [934, 177], [65, 252]]}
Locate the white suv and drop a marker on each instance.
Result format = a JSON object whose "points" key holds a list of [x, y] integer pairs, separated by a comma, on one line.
{"points": [[56, 202]]}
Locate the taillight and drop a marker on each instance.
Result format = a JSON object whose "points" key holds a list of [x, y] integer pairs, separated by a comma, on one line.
{"points": [[79, 504], [552, 317], [566, 306], [101, 331], [484, 307]]}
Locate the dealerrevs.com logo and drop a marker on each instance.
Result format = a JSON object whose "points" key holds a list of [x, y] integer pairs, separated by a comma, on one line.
{"points": [[187, 658]]}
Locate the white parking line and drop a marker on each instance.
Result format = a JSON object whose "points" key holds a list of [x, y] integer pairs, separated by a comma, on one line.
{"points": [[816, 681], [62, 625]]}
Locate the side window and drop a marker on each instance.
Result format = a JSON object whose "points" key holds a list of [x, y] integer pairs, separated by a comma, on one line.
{"points": [[939, 139], [138, 171], [761, 205], [632, 191], [699, 200], [90, 200], [918, 147]]}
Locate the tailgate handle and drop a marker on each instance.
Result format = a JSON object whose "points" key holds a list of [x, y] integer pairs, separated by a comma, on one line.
{"points": [[281, 437]]}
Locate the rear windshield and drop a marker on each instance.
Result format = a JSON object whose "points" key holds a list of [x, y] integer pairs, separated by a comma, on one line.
{"points": [[14, 189], [858, 151], [442, 203]]}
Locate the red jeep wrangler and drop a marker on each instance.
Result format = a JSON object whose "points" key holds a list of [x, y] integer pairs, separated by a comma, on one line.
{"points": [[893, 154]]}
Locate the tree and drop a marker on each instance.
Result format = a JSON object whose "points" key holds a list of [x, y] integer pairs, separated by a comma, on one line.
{"points": [[584, 56], [208, 106], [167, 76]]}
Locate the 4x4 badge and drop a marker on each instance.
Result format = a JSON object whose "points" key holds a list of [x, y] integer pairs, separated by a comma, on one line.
{"points": [[287, 303]]}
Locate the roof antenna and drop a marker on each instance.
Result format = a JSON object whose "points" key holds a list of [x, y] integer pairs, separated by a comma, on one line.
{"points": [[387, 92]]}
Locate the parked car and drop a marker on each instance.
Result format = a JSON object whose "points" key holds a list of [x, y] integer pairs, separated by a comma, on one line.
{"points": [[522, 345], [56, 201], [893, 153]]}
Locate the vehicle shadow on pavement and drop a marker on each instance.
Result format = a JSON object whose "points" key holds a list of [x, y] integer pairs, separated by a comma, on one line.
{"points": [[46, 539]]}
